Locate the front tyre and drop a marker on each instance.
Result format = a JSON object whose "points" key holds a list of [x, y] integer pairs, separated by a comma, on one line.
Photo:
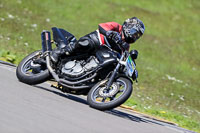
{"points": [[30, 73], [104, 99]]}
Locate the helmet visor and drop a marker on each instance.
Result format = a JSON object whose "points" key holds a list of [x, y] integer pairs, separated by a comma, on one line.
{"points": [[134, 33]]}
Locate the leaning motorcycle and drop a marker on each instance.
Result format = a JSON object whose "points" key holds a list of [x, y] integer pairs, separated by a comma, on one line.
{"points": [[105, 76]]}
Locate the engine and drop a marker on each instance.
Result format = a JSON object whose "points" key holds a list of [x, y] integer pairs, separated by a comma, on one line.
{"points": [[78, 68]]}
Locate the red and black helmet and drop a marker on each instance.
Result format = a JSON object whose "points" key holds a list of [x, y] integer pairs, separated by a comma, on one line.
{"points": [[133, 29]]}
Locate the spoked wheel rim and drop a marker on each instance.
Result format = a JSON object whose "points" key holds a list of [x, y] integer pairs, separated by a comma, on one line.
{"points": [[30, 68], [102, 95]]}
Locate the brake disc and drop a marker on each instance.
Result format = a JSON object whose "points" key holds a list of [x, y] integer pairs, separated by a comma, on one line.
{"points": [[103, 92]]}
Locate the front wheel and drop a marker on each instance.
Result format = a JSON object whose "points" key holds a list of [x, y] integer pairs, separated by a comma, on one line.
{"points": [[30, 73], [104, 99]]}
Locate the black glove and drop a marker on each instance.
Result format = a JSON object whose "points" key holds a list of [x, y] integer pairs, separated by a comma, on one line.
{"points": [[114, 36], [124, 46]]}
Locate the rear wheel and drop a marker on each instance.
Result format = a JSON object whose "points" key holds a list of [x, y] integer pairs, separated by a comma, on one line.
{"points": [[30, 73], [104, 99]]}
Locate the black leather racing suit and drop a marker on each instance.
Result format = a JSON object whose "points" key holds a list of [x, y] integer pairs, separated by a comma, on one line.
{"points": [[95, 40]]}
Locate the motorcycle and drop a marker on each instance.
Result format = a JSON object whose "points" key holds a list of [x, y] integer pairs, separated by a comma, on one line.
{"points": [[105, 76]]}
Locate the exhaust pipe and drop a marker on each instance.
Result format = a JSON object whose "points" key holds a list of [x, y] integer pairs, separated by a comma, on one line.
{"points": [[46, 41], [55, 76], [46, 47], [65, 82]]}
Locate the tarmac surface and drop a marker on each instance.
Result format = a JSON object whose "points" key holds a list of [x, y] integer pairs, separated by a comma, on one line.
{"points": [[42, 109]]}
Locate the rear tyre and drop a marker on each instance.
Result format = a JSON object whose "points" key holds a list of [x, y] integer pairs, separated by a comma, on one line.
{"points": [[30, 73], [104, 99]]}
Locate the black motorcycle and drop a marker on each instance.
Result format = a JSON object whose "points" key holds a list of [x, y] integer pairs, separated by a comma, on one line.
{"points": [[105, 76]]}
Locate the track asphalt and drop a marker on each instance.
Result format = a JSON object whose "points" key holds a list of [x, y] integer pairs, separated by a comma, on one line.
{"points": [[42, 109]]}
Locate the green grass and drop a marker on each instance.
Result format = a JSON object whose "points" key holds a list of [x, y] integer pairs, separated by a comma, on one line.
{"points": [[169, 58]]}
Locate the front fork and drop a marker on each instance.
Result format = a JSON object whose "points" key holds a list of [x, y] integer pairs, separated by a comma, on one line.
{"points": [[111, 79]]}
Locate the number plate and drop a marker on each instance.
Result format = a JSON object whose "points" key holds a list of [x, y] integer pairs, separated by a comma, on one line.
{"points": [[130, 66]]}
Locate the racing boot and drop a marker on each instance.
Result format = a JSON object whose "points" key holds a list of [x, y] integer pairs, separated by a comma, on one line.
{"points": [[62, 50], [54, 55]]}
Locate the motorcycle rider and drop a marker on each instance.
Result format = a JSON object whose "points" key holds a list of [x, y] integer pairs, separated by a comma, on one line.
{"points": [[118, 36]]}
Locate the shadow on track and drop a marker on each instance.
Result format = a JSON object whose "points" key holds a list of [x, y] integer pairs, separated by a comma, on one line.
{"points": [[125, 115], [68, 96], [112, 112]]}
